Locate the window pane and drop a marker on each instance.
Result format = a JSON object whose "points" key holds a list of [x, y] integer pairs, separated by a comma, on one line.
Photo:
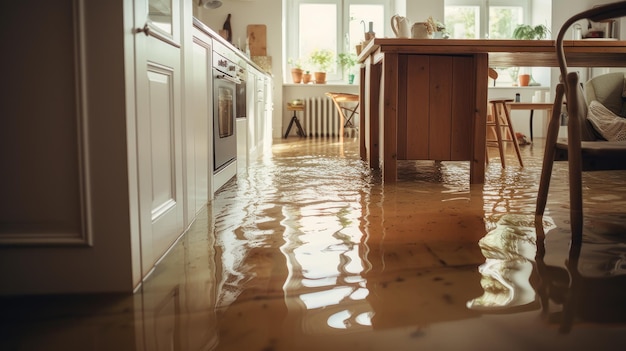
{"points": [[462, 21], [360, 16], [160, 14], [318, 29], [503, 20]]}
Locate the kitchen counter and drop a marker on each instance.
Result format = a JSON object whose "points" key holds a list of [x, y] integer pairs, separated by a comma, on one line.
{"points": [[215, 36], [432, 102]]}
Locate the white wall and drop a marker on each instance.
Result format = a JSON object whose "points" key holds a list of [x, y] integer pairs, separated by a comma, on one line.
{"points": [[419, 11]]}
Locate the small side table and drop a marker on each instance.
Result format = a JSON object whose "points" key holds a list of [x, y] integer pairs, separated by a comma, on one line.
{"points": [[532, 106], [295, 108]]}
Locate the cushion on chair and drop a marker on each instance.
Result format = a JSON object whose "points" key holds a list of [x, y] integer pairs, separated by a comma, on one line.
{"points": [[608, 90], [611, 126]]}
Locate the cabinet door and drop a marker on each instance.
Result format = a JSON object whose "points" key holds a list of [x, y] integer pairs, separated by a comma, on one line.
{"points": [[436, 114], [159, 135]]}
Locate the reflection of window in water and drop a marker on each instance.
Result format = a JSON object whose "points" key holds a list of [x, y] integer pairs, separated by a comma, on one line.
{"points": [[160, 14]]}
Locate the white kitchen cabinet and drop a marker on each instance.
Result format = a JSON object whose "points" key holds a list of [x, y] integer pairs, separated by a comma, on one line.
{"points": [[269, 110], [260, 121], [198, 124]]}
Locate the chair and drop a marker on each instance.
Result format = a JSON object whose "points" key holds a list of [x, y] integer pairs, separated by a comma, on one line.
{"points": [[341, 101], [583, 150], [499, 121], [607, 89]]}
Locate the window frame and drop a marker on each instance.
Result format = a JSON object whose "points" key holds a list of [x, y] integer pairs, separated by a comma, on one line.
{"points": [[292, 24], [484, 6]]}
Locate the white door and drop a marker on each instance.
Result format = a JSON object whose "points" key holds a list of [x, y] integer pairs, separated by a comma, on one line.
{"points": [[159, 132]]}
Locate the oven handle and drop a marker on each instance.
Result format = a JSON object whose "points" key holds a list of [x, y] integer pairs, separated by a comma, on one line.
{"points": [[228, 78]]}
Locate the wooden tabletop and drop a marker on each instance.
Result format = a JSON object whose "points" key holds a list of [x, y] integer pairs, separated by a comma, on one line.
{"points": [[507, 53], [530, 105]]}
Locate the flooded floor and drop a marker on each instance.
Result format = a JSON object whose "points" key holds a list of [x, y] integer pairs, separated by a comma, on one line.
{"points": [[307, 250]]}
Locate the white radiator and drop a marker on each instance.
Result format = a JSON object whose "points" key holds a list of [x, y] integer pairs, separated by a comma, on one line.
{"points": [[321, 118]]}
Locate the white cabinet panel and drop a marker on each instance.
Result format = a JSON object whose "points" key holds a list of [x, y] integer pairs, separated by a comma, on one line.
{"points": [[159, 137]]}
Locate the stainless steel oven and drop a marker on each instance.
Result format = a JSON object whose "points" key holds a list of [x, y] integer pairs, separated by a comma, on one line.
{"points": [[224, 106]]}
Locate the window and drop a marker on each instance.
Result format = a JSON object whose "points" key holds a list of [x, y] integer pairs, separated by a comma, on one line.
{"points": [[494, 19], [335, 25], [489, 19]]}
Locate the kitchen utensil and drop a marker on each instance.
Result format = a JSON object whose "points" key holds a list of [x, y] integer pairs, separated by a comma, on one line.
{"points": [[257, 39]]}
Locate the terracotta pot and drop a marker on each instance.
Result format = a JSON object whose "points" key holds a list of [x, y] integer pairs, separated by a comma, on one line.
{"points": [[524, 80], [296, 75], [320, 77], [306, 78]]}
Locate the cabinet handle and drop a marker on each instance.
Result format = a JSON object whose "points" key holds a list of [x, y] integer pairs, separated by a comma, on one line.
{"points": [[145, 30]]}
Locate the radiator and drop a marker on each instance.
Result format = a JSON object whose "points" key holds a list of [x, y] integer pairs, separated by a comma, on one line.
{"points": [[321, 118]]}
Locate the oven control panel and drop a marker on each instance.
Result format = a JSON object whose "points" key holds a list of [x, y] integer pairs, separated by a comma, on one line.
{"points": [[224, 59]]}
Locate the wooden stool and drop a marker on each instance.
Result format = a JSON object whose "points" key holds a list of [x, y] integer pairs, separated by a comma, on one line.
{"points": [[299, 106], [503, 129]]}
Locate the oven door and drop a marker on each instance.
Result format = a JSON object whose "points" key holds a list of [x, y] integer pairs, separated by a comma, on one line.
{"points": [[224, 128]]}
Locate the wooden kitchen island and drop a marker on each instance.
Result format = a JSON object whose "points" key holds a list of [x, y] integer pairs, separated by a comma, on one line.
{"points": [[426, 99]]}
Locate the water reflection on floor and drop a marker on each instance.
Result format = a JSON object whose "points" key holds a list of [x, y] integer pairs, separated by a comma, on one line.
{"points": [[309, 251]]}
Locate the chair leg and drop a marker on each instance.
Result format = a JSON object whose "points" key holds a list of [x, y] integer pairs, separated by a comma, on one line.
{"points": [[295, 120], [513, 136], [548, 155], [496, 117], [575, 182]]}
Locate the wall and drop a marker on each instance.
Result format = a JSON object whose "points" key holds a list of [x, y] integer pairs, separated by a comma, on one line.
{"points": [[419, 11]]}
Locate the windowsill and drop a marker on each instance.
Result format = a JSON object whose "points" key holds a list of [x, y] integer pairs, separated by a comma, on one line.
{"points": [[519, 87], [335, 84]]}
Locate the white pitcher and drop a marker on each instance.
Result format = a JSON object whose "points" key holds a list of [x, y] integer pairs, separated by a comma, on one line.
{"points": [[401, 26]]}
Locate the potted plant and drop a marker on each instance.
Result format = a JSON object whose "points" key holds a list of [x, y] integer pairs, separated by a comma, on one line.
{"points": [[347, 61], [438, 28], [322, 60], [306, 77], [296, 70], [528, 32]]}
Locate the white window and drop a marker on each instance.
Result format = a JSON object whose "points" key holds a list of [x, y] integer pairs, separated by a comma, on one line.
{"points": [[493, 19], [335, 25], [487, 19]]}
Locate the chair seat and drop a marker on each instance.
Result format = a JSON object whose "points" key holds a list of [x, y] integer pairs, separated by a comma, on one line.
{"points": [[606, 155]]}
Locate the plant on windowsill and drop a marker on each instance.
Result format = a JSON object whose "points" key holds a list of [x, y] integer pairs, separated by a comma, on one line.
{"points": [[322, 60], [527, 32], [306, 77], [347, 61], [296, 70]]}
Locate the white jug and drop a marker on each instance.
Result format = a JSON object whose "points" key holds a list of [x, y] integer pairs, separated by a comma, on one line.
{"points": [[401, 26]]}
